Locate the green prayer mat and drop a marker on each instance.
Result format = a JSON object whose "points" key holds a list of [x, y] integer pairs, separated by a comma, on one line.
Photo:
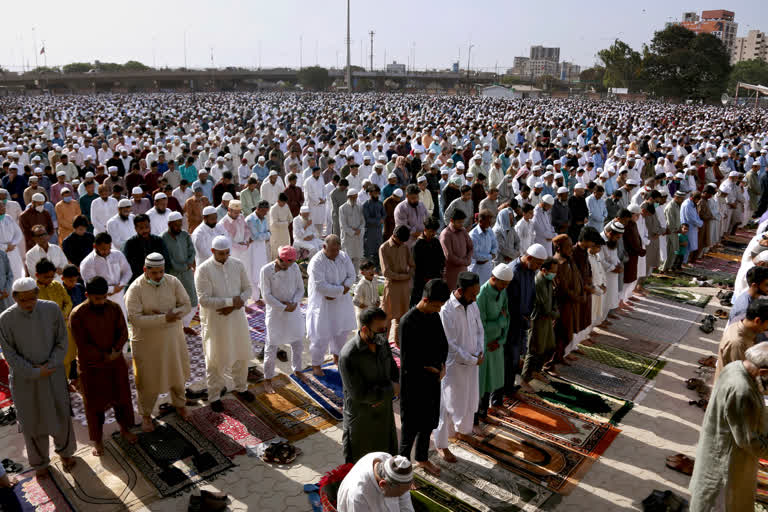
{"points": [[579, 399], [666, 281], [431, 498], [678, 295], [617, 358], [717, 277]]}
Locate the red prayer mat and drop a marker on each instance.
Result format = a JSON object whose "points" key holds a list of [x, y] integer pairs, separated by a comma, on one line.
{"points": [[233, 430], [5, 386]]}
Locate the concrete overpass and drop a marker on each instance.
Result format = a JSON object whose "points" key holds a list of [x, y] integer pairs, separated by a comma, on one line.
{"points": [[227, 79]]}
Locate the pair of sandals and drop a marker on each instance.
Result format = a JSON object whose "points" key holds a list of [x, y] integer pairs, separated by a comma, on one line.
{"points": [[709, 361], [12, 467], [708, 324], [280, 453], [681, 463], [701, 389], [664, 501], [8, 417], [721, 314]]}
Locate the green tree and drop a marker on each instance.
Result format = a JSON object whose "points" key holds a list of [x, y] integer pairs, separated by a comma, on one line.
{"points": [[46, 69], [753, 71], [314, 77], [681, 63], [134, 65], [593, 78], [77, 67], [622, 65]]}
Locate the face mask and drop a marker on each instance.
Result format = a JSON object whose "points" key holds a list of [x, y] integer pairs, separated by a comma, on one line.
{"points": [[39, 208], [380, 338], [549, 277], [156, 283], [67, 199]]}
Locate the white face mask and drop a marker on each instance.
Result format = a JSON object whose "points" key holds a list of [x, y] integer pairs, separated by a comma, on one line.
{"points": [[40, 208]]}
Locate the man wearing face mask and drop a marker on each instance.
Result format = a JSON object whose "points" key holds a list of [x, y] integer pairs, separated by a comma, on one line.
{"points": [[371, 379], [732, 437], [99, 329], [35, 214], [156, 303], [460, 393]]}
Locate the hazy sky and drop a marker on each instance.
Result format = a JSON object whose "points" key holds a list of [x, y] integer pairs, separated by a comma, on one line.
{"points": [[250, 33]]}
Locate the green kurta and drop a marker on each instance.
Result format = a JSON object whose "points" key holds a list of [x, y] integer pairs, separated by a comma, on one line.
{"points": [[733, 438], [367, 377], [181, 251], [494, 314], [541, 337]]}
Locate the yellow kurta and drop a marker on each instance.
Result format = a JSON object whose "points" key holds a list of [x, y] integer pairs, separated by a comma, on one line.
{"points": [[160, 356], [279, 219], [55, 292], [65, 214]]}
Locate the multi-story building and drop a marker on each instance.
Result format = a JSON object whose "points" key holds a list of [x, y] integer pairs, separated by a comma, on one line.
{"points": [[751, 46], [540, 67], [395, 68], [569, 71], [718, 22], [543, 53]]}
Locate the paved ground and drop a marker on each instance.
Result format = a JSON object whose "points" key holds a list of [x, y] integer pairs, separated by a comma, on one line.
{"points": [[661, 424]]}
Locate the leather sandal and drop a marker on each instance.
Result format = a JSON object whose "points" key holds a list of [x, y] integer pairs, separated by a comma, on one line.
{"points": [[681, 463]]}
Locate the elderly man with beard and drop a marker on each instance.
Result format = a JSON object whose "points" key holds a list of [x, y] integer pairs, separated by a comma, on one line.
{"points": [[100, 331], [120, 227], [543, 232], [204, 234]]}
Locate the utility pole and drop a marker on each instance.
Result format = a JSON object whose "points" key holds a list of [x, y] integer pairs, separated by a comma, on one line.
{"points": [[371, 34], [349, 56], [185, 49], [469, 56], [36, 50], [301, 49]]}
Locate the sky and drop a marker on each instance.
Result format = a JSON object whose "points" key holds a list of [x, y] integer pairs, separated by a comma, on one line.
{"points": [[290, 33]]}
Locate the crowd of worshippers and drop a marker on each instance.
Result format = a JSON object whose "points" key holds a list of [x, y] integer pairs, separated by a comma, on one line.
{"points": [[503, 232]]}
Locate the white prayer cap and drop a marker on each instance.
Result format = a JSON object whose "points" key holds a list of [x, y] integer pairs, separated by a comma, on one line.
{"points": [[679, 175], [39, 198], [382, 158], [89, 174], [398, 192], [503, 272], [235, 204], [60, 173], [536, 168], [548, 199], [633, 181], [421, 178], [209, 210], [160, 195], [65, 190], [137, 190], [174, 216], [579, 186], [559, 175], [470, 175], [351, 192], [227, 196], [398, 469], [154, 260], [38, 170], [202, 171], [273, 173], [112, 168], [24, 284], [605, 174], [562, 190], [221, 243], [75, 181], [538, 184], [460, 165], [305, 209], [124, 203], [478, 157], [723, 188], [219, 158], [392, 176], [445, 171], [634, 208], [760, 258], [35, 178], [733, 174], [547, 174], [261, 158], [537, 251]]}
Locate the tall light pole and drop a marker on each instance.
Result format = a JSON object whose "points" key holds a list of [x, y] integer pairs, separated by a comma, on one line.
{"points": [[349, 56], [371, 33], [469, 56]]}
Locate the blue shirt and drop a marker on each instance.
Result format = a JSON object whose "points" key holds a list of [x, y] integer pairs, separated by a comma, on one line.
{"points": [[260, 171], [206, 187], [597, 212], [739, 307], [485, 246], [520, 292], [259, 227]]}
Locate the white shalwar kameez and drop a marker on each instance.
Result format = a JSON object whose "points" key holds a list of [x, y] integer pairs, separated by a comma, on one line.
{"points": [[330, 312], [10, 234], [315, 198], [610, 259], [460, 389], [102, 211], [300, 231], [114, 268], [226, 338], [202, 238], [598, 280], [283, 327], [240, 235], [120, 230], [158, 222]]}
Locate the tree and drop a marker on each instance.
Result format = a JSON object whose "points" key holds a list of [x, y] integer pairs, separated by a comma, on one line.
{"points": [[134, 65], [681, 63], [77, 67], [314, 77], [622, 65], [46, 69], [593, 77], [753, 71]]}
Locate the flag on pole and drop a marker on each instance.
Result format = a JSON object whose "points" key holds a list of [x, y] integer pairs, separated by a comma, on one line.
{"points": [[42, 50]]}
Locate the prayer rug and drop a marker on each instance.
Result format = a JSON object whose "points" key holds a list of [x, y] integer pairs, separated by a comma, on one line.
{"points": [[327, 390], [617, 358], [718, 264], [605, 379], [175, 457], [256, 316], [727, 278], [725, 256], [480, 483], [560, 426], [431, 498], [547, 464], [581, 400], [762, 481], [108, 483], [656, 319], [5, 385], [665, 280], [289, 411], [34, 494], [679, 295], [233, 430], [642, 347]]}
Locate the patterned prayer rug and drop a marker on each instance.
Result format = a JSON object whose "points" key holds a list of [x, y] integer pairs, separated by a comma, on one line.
{"points": [[605, 379], [34, 494], [680, 295], [108, 483], [642, 347], [725, 256], [560, 426], [550, 465], [233, 430], [175, 456], [617, 358], [656, 319], [717, 277], [5, 385], [327, 390], [581, 400], [290, 412], [478, 482], [431, 498], [762, 482], [718, 265]]}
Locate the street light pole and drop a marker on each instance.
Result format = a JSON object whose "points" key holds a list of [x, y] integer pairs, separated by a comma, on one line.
{"points": [[349, 56]]}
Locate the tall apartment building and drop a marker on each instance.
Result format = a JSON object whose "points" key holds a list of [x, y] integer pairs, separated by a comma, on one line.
{"points": [[543, 53], [751, 46], [718, 22]]}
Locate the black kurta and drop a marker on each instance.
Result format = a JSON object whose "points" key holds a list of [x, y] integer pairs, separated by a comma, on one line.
{"points": [[136, 249], [422, 343], [367, 377], [430, 263]]}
